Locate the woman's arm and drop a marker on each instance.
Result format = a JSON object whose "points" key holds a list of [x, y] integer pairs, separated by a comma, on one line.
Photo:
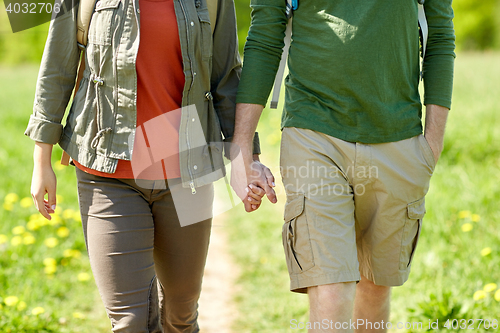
{"points": [[44, 180]]}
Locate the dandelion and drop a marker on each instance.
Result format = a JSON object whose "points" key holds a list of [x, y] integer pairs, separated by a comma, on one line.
{"points": [[497, 295], [68, 214], [51, 242], [16, 240], [466, 227], [37, 311], [33, 225], [485, 251], [464, 214], [490, 287], [28, 239], [83, 276], [49, 270], [18, 230], [77, 217], [26, 202], [62, 232], [68, 253], [478, 295], [56, 220], [11, 300], [11, 198], [58, 166], [3, 239], [475, 218], [78, 315], [21, 306], [49, 262], [8, 206]]}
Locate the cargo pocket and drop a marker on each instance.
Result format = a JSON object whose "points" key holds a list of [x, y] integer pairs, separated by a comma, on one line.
{"points": [[295, 235], [411, 232], [103, 22]]}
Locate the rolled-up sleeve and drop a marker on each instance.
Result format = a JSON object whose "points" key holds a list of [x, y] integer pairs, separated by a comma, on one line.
{"points": [[56, 80], [440, 54]]}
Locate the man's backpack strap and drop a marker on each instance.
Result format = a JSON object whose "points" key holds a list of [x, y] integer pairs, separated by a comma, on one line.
{"points": [[424, 31], [290, 6]]}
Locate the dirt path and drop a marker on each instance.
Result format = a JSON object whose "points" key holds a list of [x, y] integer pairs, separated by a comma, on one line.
{"points": [[217, 312]]}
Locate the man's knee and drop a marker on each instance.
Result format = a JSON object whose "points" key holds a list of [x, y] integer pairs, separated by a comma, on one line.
{"points": [[367, 287], [335, 291]]}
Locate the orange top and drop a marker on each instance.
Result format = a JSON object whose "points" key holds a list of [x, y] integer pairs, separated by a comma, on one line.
{"points": [[160, 83]]}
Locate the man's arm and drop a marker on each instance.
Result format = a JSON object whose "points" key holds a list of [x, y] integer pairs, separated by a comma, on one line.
{"points": [[246, 169], [435, 123]]}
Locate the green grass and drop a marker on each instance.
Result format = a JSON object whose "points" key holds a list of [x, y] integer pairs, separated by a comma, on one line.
{"points": [[68, 296], [448, 267]]}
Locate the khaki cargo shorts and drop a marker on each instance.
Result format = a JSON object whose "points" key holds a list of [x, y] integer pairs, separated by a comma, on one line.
{"points": [[352, 208]]}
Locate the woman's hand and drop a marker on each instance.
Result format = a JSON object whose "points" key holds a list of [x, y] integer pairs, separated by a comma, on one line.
{"points": [[43, 180]]}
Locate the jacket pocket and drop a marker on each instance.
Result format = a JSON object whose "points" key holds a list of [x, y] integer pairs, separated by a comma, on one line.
{"points": [[206, 33], [296, 237], [103, 22], [411, 232]]}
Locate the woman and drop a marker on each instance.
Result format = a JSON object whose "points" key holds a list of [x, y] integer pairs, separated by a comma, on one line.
{"points": [[145, 133]]}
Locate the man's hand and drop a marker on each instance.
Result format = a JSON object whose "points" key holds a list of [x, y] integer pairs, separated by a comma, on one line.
{"points": [[435, 122], [251, 181]]}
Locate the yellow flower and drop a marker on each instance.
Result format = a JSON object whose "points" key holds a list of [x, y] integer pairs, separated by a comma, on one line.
{"points": [[49, 262], [59, 199], [72, 253], [490, 287], [497, 295], [77, 217], [11, 300], [68, 214], [33, 225], [50, 269], [37, 311], [486, 251], [58, 166], [28, 239], [480, 294], [51, 242], [18, 230], [11, 198], [3, 239], [62, 232], [59, 209], [56, 219], [26, 202], [16, 240], [78, 315], [8, 206], [83, 276], [21, 306], [464, 214], [475, 218], [466, 227]]}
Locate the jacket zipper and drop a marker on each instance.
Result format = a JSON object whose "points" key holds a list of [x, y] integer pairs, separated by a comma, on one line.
{"points": [[191, 184]]}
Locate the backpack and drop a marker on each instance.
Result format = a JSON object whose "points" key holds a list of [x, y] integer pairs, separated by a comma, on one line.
{"points": [[293, 5], [84, 15]]}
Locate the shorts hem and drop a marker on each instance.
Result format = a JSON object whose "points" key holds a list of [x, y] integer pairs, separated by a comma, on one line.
{"points": [[395, 280], [300, 284]]}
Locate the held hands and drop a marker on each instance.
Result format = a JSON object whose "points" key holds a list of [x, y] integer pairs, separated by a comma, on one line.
{"points": [[251, 181]]}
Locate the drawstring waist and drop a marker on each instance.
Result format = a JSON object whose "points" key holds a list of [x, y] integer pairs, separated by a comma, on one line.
{"points": [[98, 81]]}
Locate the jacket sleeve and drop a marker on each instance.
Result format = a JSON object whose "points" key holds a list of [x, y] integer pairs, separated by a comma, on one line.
{"points": [[226, 70], [263, 50], [56, 79], [440, 55]]}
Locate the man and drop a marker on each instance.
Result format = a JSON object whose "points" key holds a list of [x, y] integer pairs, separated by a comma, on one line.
{"points": [[354, 162]]}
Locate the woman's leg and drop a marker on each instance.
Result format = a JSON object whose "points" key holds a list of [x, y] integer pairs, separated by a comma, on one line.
{"points": [[119, 233], [180, 254]]}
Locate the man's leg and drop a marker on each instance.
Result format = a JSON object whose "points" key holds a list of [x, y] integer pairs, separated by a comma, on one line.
{"points": [[332, 303], [372, 305]]}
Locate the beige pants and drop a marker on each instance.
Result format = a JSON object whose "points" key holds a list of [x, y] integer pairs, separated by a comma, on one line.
{"points": [[147, 267], [352, 208]]}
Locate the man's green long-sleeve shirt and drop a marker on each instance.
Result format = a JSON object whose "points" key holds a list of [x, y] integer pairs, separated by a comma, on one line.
{"points": [[353, 65]]}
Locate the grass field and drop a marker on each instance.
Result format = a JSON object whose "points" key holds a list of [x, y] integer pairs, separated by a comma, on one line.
{"points": [[45, 279]]}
